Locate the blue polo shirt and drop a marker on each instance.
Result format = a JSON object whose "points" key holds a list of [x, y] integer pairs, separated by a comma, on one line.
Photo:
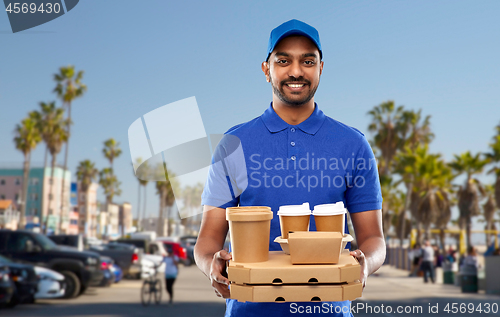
{"points": [[268, 162]]}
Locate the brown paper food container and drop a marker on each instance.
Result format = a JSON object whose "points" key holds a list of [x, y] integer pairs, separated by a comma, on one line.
{"points": [[249, 228], [330, 223], [315, 247], [293, 223]]}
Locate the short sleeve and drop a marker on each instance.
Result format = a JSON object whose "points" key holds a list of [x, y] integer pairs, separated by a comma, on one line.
{"points": [[227, 176], [363, 192]]}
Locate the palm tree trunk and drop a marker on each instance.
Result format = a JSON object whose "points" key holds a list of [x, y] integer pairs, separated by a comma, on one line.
{"points": [[145, 200], [51, 196], [442, 239], [46, 155], [468, 230], [489, 226], [26, 170], [139, 207], [402, 220], [65, 167], [160, 226]]}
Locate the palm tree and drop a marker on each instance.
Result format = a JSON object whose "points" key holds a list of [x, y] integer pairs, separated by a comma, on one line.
{"points": [[53, 129], [110, 184], [48, 116], [27, 136], [489, 208], [165, 190], [493, 157], [111, 150], [86, 173], [470, 193], [142, 174], [191, 197], [413, 132], [385, 118], [68, 88]]}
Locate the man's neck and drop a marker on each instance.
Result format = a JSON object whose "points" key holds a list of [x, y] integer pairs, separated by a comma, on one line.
{"points": [[293, 115]]}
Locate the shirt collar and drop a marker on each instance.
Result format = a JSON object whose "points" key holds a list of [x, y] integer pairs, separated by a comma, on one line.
{"points": [[311, 125]]}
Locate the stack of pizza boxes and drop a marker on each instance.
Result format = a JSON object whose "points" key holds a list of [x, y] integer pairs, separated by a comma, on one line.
{"points": [[312, 266]]}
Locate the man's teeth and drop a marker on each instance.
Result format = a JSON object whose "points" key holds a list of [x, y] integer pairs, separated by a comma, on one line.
{"points": [[295, 85]]}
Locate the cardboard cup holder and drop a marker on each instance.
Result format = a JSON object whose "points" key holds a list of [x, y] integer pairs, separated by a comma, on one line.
{"points": [[286, 249]]}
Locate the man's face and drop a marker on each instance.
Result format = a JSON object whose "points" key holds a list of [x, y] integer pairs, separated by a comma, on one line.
{"points": [[294, 69]]}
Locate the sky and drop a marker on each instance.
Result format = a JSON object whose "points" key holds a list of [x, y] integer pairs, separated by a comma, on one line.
{"points": [[439, 56]]}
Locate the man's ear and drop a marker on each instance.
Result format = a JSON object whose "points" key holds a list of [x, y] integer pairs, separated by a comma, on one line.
{"points": [[265, 69], [321, 68]]}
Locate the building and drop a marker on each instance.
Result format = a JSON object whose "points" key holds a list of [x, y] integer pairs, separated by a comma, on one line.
{"points": [[86, 206], [39, 203], [9, 216], [113, 224], [125, 218]]}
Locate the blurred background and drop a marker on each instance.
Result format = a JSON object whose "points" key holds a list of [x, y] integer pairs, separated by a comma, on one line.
{"points": [[420, 80]]}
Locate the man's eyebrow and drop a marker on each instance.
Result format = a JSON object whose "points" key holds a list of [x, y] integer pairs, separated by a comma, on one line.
{"points": [[309, 55], [302, 56], [282, 54]]}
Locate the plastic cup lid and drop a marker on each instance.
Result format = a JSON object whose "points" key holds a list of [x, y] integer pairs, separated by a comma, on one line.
{"points": [[329, 209], [295, 210]]}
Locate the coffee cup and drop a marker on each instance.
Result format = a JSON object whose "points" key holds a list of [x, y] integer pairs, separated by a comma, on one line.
{"points": [[330, 217], [294, 218]]}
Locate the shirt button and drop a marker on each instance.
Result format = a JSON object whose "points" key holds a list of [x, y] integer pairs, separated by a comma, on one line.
{"points": [[292, 129], [293, 158], [292, 143]]}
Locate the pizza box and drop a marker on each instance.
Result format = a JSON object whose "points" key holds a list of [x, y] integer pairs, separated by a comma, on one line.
{"points": [[296, 293], [280, 270]]}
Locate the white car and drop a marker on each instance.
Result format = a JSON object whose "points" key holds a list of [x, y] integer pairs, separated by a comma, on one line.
{"points": [[50, 283]]}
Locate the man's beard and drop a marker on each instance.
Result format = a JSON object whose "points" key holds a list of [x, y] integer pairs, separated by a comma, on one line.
{"points": [[293, 103]]}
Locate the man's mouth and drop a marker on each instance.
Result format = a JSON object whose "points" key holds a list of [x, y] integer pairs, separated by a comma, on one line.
{"points": [[295, 85]]}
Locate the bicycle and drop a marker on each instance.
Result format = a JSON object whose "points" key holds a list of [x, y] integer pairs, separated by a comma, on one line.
{"points": [[151, 287]]}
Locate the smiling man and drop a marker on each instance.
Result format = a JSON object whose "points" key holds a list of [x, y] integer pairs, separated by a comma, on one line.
{"points": [[291, 156]]}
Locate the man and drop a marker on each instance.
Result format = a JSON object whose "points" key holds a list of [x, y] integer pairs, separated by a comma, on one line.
{"points": [[292, 154], [427, 263]]}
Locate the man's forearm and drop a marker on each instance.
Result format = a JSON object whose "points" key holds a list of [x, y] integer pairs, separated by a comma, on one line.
{"points": [[204, 253], [374, 249]]}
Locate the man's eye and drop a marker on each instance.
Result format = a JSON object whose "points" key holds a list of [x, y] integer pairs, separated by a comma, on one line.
{"points": [[309, 63], [281, 61]]}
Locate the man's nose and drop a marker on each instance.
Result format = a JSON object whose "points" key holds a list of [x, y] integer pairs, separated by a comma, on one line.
{"points": [[295, 70]]}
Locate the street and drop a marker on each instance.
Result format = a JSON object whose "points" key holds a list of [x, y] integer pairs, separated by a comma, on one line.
{"points": [[386, 292]]}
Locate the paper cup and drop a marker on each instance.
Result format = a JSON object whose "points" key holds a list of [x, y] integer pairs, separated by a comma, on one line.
{"points": [[330, 217], [250, 228], [294, 218]]}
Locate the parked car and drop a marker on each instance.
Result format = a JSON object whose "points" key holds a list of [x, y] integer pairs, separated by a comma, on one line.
{"points": [[69, 240], [126, 256], [169, 243], [79, 268], [25, 281], [50, 283], [6, 286], [108, 276], [188, 243], [153, 252]]}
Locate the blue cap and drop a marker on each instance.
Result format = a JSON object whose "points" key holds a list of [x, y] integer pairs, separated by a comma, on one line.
{"points": [[293, 27]]}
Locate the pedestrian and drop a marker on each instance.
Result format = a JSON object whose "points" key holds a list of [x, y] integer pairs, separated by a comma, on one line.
{"points": [[427, 261], [416, 254], [471, 260], [171, 270], [290, 155]]}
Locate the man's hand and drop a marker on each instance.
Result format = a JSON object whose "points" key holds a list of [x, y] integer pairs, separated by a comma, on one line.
{"points": [[217, 271], [360, 256]]}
